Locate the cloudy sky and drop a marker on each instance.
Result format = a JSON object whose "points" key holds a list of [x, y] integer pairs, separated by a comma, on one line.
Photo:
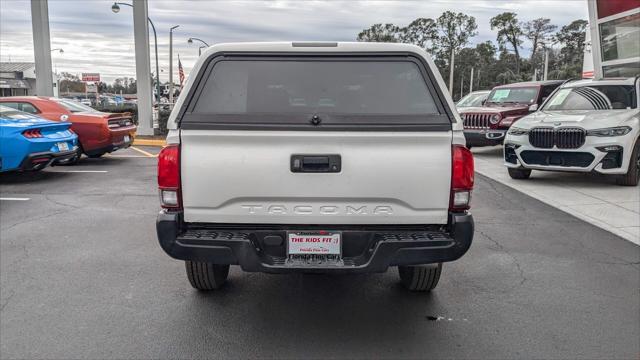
{"points": [[95, 39]]}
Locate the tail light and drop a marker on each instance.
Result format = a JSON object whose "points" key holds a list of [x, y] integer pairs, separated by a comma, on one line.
{"points": [[461, 178], [32, 134], [169, 177]]}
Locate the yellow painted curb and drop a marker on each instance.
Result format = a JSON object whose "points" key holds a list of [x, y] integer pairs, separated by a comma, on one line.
{"points": [[149, 142]]}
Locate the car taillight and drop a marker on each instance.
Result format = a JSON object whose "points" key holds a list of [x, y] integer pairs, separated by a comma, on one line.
{"points": [[461, 178], [32, 134], [169, 177]]}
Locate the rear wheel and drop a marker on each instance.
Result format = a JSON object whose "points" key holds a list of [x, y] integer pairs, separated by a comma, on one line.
{"points": [[206, 276], [519, 173], [95, 156], [420, 277], [633, 172]]}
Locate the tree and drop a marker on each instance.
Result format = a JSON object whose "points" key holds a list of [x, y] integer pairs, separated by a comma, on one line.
{"points": [[572, 37], [422, 32], [455, 31], [380, 33], [538, 31], [485, 67], [509, 32], [70, 83]]}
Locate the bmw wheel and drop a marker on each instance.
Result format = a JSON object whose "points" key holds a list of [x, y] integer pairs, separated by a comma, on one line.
{"points": [[519, 173], [633, 172]]}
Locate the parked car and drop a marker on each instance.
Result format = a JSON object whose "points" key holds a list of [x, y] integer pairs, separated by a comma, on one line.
{"points": [[588, 125], [98, 132], [505, 104], [28, 142], [86, 102], [473, 99], [362, 171]]}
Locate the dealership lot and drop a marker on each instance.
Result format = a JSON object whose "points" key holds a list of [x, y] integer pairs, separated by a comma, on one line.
{"points": [[82, 276]]}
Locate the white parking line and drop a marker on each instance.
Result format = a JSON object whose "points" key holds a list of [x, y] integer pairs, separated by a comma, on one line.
{"points": [[14, 199], [80, 171], [127, 156]]}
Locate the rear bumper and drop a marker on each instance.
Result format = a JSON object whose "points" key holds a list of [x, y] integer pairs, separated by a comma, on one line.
{"points": [[489, 137], [365, 248], [37, 161], [115, 142]]}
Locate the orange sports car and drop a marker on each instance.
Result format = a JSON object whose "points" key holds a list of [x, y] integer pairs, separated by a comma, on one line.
{"points": [[98, 132]]}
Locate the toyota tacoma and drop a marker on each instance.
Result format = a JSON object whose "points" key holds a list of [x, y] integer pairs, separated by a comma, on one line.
{"points": [[315, 158]]}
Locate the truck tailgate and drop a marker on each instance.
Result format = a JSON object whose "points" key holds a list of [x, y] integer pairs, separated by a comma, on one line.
{"points": [[234, 176]]}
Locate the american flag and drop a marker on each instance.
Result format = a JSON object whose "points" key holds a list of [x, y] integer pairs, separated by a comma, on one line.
{"points": [[180, 72]]}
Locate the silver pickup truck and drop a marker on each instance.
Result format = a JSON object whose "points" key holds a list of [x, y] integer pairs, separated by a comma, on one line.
{"points": [[315, 157]]}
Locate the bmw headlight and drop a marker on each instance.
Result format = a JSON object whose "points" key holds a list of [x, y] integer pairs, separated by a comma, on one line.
{"points": [[613, 131], [495, 118], [516, 131]]}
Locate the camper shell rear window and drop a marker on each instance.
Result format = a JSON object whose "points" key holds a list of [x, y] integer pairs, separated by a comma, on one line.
{"points": [[315, 93]]}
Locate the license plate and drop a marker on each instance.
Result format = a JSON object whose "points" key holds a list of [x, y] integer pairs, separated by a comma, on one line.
{"points": [[314, 243], [63, 146], [126, 138]]}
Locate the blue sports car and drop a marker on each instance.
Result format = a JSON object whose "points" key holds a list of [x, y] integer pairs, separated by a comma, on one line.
{"points": [[28, 142]]}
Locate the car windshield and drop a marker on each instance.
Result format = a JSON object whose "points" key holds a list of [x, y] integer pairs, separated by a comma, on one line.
{"points": [[602, 97], [13, 114], [75, 106], [472, 100], [525, 95]]}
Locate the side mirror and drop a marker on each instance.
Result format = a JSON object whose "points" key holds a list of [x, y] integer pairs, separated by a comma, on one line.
{"points": [[64, 117], [533, 107]]}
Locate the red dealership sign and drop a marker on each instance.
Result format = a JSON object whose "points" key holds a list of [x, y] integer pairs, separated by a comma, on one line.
{"points": [[90, 77], [613, 7]]}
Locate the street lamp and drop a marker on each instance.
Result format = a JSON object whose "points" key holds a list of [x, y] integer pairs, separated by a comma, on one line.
{"points": [[55, 66], [171, 65], [116, 9], [190, 41]]}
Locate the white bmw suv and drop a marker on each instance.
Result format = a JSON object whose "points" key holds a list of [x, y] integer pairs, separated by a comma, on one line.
{"points": [[584, 126]]}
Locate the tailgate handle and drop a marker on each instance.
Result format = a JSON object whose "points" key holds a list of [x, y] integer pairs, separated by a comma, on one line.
{"points": [[316, 163]]}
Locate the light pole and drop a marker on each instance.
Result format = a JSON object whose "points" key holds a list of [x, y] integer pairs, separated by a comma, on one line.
{"points": [[171, 65], [61, 51], [55, 66], [190, 41], [116, 9]]}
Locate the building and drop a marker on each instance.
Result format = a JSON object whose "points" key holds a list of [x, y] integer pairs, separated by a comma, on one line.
{"points": [[17, 78], [614, 27]]}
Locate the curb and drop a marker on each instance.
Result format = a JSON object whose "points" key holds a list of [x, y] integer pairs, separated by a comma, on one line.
{"points": [[149, 142]]}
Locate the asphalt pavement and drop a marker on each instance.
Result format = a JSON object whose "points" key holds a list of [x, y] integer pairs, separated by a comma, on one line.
{"points": [[82, 276]]}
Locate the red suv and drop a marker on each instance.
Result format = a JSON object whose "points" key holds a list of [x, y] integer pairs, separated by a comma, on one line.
{"points": [[487, 125], [98, 132]]}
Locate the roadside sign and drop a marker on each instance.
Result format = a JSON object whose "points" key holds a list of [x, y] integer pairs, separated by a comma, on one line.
{"points": [[91, 88], [90, 77]]}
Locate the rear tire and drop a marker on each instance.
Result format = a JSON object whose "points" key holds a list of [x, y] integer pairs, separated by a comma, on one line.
{"points": [[519, 174], [420, 277], [633, 172], [206, 276]]}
